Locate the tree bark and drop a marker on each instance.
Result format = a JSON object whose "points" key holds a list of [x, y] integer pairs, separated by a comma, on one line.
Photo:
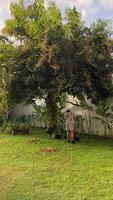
{"points": [[51, 105]]}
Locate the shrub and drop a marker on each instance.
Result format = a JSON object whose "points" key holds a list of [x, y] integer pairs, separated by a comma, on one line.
{"points": [[16, 126]]}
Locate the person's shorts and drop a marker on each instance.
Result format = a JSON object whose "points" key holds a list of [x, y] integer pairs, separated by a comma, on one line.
{"points": [[70, 126]]}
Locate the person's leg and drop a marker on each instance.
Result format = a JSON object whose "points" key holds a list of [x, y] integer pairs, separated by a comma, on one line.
{"points": [[68, 132], [69, 135], [72, 135], [72, 131]]}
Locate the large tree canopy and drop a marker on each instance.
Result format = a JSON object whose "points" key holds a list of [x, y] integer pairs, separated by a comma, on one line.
{"points": [[58, 54], [93, 66]]}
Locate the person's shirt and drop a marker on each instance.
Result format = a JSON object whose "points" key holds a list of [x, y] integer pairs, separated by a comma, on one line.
{"points": [[69, 117]]}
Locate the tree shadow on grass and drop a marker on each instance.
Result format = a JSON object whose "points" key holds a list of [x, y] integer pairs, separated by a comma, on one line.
{"points": [[95, 141]]}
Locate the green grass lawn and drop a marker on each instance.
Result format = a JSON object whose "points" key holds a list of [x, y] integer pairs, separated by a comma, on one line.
{"points": [[83, 171]]}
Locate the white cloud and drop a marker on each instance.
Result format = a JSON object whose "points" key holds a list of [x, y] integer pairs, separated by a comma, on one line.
{"points": [[4, 11], [84, 13], [1, 24], [108, 4], [65, 3], [85, 3], [87, 8]]}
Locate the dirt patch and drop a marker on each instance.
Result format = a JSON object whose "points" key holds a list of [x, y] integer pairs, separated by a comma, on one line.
{"points": [[49, 150]]}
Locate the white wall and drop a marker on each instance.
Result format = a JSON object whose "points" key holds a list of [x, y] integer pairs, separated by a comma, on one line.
{"points": [[96, 127]]}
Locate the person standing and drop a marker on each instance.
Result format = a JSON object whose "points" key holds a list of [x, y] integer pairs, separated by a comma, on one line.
{"points": [[70, 123]]}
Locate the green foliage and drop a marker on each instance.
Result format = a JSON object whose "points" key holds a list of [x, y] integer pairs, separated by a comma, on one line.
{"points": [[43, 117], [93, 66], [41, 114], [7, 53], [4, 106], [105, 116], [16, 125]]}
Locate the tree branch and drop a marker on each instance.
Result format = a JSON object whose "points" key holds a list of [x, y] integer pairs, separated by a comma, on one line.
{"points": [[78, 105]]}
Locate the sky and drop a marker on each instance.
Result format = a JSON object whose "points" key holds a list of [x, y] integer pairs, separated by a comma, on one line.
{"points": [[90, 9]]}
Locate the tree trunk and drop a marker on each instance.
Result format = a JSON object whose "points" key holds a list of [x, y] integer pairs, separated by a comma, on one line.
{"points": [[52, 111], [105, 130]]}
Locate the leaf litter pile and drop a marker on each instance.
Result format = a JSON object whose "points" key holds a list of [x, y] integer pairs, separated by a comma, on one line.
{"points": [[44, 150], [33, 141], [49, 150]]}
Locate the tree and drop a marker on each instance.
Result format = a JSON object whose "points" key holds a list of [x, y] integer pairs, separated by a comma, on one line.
{"points": [[40, 64], [56, 56], [6, 75]]}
